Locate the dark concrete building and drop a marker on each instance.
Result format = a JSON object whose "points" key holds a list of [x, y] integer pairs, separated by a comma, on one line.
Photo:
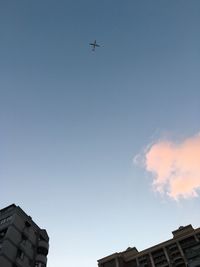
{"points": [[22, 242], [180, 251]]}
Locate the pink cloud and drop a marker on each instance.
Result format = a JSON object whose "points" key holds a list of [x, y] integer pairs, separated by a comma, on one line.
{"points": [[175, 167]]}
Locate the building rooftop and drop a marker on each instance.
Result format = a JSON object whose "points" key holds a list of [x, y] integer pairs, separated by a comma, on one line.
{"points": [[131, 252]]}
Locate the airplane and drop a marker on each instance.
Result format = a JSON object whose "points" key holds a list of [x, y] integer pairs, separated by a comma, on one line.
{"points": [[94, 45]]}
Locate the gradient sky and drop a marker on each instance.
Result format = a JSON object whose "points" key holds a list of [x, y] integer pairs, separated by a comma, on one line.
{"points": [[71, 120]]}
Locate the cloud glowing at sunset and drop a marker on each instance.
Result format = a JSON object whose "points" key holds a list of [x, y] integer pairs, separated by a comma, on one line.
{"points": [[175, 167]]}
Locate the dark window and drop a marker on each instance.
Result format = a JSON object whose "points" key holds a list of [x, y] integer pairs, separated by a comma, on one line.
{"points": [[131, 263], [109, 263], [193, 252], [27, 224], [20, 254], [6, 220], [2, 233], [24, 239], [41, 238], [187, 242], [42, 250]]}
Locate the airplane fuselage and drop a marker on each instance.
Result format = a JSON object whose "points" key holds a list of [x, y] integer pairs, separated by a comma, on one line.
{"points": [[94, 45]]}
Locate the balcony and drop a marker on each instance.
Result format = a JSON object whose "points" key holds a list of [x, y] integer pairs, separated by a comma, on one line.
{"points": [[43, 247], [180, 264], [162, 264], [193, 252], [188, 242], [160, 259], [41, 258], [178, 258]]}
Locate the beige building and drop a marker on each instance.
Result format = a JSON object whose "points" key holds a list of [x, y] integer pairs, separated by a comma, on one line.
{"points": [[180, 251], [22, 242]]}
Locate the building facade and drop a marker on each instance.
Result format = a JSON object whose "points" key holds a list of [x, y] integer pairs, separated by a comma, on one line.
{"points": [[180, 251], [22, 242]]}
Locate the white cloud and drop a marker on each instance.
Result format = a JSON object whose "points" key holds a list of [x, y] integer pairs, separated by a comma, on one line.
{"points": [[175, 167]]}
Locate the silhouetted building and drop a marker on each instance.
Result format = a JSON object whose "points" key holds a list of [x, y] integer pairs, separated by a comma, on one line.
{"points": [[22, 242], [180, 251]]}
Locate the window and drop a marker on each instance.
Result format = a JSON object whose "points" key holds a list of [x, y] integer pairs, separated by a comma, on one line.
{"points": [[24, 239], [27, 224], [20, 254], [7, 219], [110, 263], [131, 263], [3, 233], [41, 238], [42, 250], [187, 242]]}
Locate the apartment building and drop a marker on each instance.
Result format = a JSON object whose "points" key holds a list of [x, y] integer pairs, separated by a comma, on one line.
{"points": [[180, 251], [22, 242]]}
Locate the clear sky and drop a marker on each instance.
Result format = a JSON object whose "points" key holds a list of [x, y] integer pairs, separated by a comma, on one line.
{"points": [[72, 120]]}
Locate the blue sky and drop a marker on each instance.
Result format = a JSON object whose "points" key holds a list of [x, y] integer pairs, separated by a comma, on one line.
{"points": [[73, 120]]}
